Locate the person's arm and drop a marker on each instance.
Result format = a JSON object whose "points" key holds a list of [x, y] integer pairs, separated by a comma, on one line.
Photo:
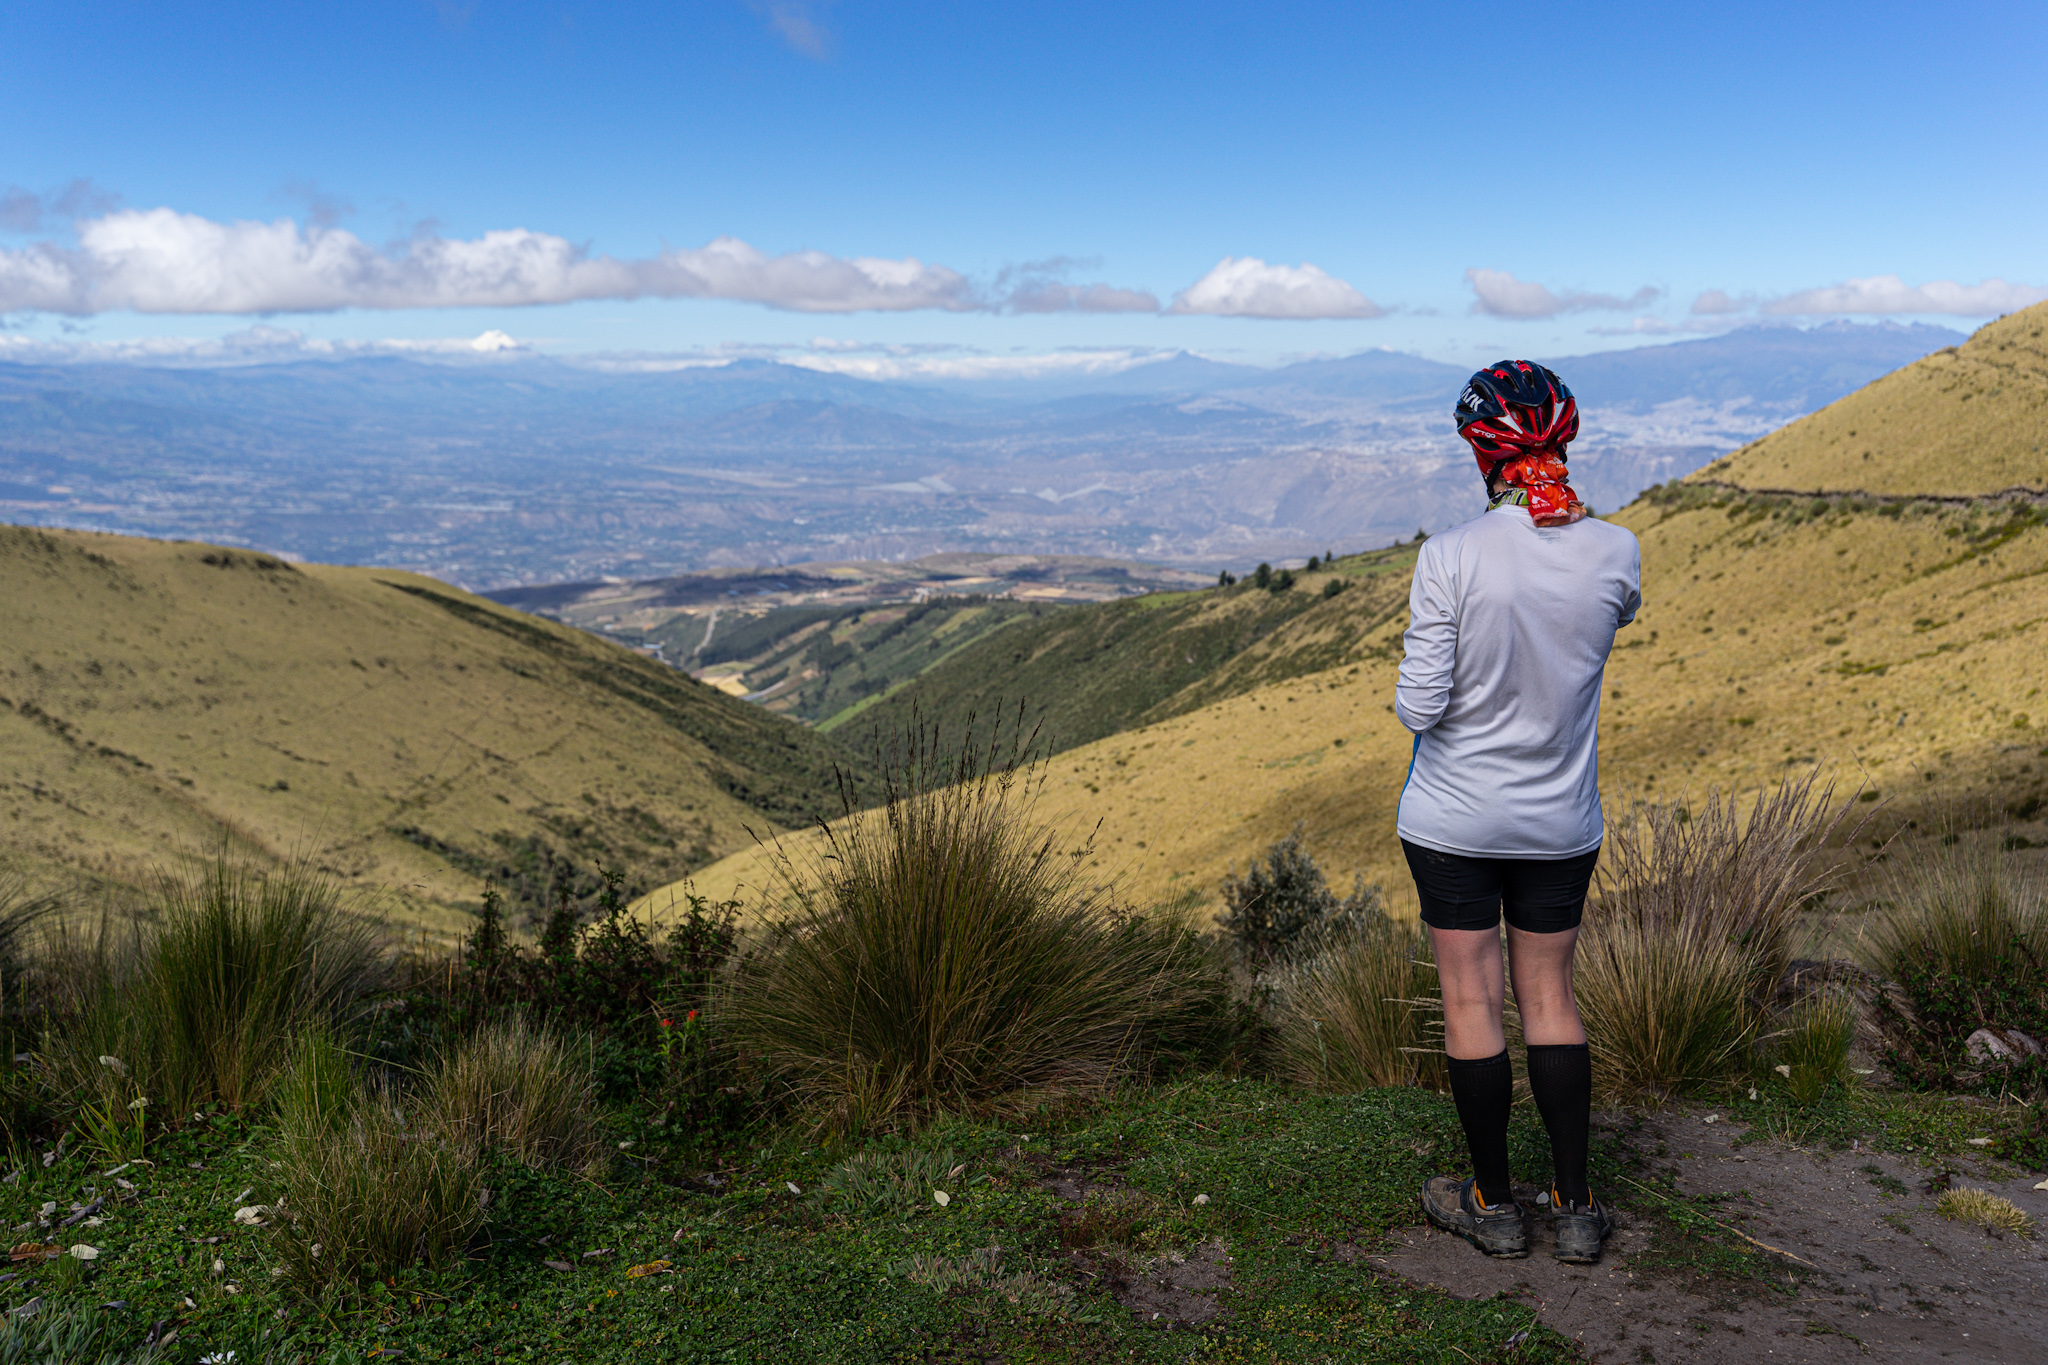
{"points": [[1632, 601], [1423, 691]]}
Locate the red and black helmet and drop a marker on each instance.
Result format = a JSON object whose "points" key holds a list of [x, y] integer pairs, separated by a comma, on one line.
{"points": [[1516, 408]]}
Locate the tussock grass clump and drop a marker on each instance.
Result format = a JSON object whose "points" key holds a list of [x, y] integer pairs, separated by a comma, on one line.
{"points": [[1964, 1204], [202, 1004], [1691, 929], [74, 1335], [1355, 1010], [1810, 1052], [942, 950], [525, 1092], [1962, 929], [368, 1188]]}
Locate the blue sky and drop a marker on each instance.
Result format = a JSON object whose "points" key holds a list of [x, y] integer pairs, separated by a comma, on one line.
{"points": [[1459, 181]]}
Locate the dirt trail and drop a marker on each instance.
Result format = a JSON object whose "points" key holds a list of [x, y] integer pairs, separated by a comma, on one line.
{"points": [[1891, 1278]]}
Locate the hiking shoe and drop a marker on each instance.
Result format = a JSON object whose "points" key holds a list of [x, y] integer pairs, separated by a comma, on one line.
{"points": [[1497, 1230], [1580, 1229]]}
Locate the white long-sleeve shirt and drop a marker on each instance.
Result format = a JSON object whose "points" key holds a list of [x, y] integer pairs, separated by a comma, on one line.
{"points": [[1510, 625]]}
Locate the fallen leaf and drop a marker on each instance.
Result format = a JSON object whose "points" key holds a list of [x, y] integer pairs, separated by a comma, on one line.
{"points": [[1978, 1142], [558, 1265], [651, 1268], [85, 1253], [2042, 1186], [601, 1251], [941, 1198], [1783, 1070], [250, 1215], [35, 1251], [790, 1185]]}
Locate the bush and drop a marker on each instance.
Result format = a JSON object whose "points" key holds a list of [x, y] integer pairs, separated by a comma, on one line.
{"points": [[1682, 949], [512, 1089], [1963, 933], [364, 1192], [941, 950], [1278, 902], [1357, 1012], [206, 1001]]}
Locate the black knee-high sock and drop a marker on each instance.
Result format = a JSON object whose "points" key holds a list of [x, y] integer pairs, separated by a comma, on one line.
{"points": [[1561, 1081], [1484, 1088]]}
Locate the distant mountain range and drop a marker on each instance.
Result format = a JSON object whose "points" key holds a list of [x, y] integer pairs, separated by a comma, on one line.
{"points": [[521, 469]]}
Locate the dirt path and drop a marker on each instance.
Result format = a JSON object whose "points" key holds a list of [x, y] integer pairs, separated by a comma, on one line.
{"points": [[1891, 1279]]}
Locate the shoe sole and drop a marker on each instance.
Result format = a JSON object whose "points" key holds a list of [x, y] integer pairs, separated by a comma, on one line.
{"points": [[1510, 1255]]}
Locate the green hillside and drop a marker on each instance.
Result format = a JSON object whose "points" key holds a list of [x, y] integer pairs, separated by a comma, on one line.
{"points": [[820, 664], [158, 697], [1089, 671]]}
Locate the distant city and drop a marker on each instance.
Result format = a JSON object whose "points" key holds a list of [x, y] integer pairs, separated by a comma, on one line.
{"points": [[518, 469]]}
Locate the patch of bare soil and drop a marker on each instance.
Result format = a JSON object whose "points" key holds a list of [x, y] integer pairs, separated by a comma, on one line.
{"points": [[1879, 1274], [1174, 1288]]}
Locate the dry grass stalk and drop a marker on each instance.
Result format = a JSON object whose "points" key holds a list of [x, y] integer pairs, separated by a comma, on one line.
{"points": [[519, 1090], [943, 950], [1690, 931], [1353, 1012]]}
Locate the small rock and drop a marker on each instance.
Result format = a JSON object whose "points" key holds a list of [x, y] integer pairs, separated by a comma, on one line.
{"points": [[1986, 1048], [1978, 1142], [1783, 1070], [1201, 1199], [1711, 1118]]}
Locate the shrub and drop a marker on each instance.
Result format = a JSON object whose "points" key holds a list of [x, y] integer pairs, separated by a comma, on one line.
{"points": [[1682, 949], [204, 1004], [941, 950], [1356, 1012], [364, 1192], [512, 1089], [1285, 897], [1963, 933], [1333, 586]]}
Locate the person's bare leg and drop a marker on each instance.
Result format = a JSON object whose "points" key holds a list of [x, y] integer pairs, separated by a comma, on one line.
{"points": [[1469, 973], [1541, 965]]}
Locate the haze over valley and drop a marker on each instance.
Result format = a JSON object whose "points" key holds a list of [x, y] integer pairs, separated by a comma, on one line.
{"points": [[499, 468]]}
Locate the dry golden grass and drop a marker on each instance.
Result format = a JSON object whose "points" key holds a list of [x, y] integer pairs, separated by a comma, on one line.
{"points": [[1966, 420], [1897, 653], [1964, 1204], [155, 702]]}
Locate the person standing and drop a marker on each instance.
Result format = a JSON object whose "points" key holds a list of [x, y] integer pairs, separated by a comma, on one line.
{"points": [[1512, 616]]}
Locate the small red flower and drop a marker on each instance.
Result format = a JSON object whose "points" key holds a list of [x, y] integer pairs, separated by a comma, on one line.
{"points": [[691, 1015], [668, 1023]]}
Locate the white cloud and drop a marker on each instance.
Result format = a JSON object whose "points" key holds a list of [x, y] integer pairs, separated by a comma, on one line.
{"points": [[1499, 294], [255, 344], [1718, 303], [1890, 294], [1247, 287], [794, 23], [162, 261], [970, 366]]}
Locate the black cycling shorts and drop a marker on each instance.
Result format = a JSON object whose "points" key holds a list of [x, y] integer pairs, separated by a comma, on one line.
{"points": [[1541, 895]]}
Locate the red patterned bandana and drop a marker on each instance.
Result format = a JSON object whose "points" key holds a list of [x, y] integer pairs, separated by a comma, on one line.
{"points": [[1537, 482]]}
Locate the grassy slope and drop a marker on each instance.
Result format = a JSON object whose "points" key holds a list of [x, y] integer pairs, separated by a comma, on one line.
{"points": [[1968, 420], [154, 701], [1896, 642], [819, 663], [1088, 672]]}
